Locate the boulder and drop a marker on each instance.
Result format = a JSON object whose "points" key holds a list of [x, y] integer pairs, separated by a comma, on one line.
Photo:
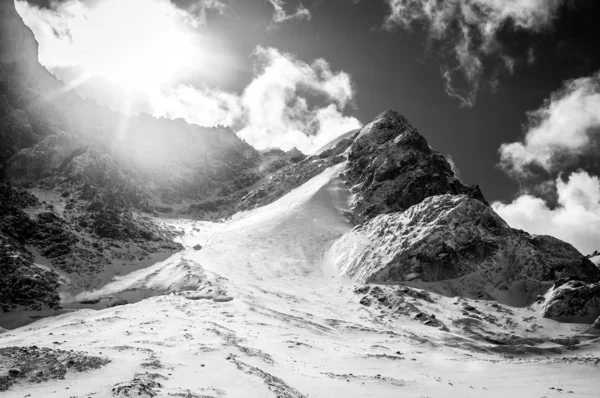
{"points": [[573, 301]]}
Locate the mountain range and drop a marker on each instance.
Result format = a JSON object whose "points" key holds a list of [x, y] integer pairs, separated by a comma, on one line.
{"points": [[175, 258]]}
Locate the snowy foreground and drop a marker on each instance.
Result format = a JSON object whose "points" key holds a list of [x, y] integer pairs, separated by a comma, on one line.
{"points": [[260, 311]]}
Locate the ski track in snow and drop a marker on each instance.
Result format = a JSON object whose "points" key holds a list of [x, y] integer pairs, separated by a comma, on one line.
{"points": [[293, 329]]}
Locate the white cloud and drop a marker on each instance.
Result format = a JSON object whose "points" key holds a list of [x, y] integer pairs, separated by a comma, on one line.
{"points": [[275, 109], [453, 166], [562, 129], [471, 27], [196, 10], [279, 14], [204, 106], [561, 137], [576, 218], [277, 106]]}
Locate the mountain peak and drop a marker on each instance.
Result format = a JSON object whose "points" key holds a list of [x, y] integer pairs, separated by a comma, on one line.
{"points": [[392, 168], [386, 126], [392, 115]]}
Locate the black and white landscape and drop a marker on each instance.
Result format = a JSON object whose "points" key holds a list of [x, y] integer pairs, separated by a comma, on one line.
{"points": [[145, 255]]}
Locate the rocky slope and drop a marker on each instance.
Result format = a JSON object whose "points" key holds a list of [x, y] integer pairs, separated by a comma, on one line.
{"points": [[392, 168], [421, 225], [448, 236], [93, 178]]}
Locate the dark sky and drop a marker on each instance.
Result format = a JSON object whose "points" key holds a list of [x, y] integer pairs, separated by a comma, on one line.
{"points": [[400, 69]]}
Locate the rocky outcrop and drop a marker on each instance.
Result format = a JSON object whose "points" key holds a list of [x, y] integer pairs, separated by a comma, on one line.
{"points": [[573, 301], [392, 168], [25, 285], [449, 236], [43, 159], [273, 159], [595, 258], [33, 365], [94, 229]]}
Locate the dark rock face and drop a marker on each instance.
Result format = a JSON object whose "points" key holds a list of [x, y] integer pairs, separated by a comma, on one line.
{"points": [[392, 168], [23, 284], [573, 301], [449, 236], [564, 260]]}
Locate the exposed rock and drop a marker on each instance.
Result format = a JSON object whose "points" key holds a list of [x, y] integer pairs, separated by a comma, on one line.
{"points": [[595, 329], [273, 159], [430, 320], [41, 160], [449, 236], [36, 365], [595, 258], [573, 301], [142, 385], [198, 247], [286, 179], [23, 284], [118, 303], [366, 301], [566, 341], [392, 168]]}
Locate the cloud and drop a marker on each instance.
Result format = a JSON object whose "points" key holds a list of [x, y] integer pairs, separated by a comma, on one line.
{"points": [[204, 106], [74, 33], [576, 218], [468, 33], [197, 9], [453, 166], [275, 108], [279, 15], [560, 133], [557, 165]]}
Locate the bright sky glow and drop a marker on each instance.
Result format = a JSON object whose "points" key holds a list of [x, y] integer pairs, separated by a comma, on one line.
{"points": [[137, 44]]}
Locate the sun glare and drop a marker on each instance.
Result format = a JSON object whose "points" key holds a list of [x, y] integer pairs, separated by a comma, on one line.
{"points": [[137, 44]]}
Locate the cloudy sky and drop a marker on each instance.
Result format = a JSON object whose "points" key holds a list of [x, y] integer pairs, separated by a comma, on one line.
{"points": [[509, 89]]}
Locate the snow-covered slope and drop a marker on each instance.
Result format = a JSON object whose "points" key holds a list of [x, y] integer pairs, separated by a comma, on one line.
{"points": [[294, 328]]}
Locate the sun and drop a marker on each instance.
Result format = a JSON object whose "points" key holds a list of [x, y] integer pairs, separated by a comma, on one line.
{"points": [[136, 44]]}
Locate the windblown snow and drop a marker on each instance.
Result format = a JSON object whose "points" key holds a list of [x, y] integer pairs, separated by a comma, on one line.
{"points": [[255, 307]]}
